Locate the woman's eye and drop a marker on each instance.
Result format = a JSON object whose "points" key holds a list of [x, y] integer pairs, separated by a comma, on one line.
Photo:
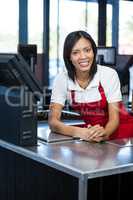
{"points": [[88, 50], [75, 52]]}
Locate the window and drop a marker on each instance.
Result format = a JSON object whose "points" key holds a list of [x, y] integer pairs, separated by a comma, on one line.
{"points": [[126, 27], [35, 23], [109, 25], [67, 16], [9, 25]]}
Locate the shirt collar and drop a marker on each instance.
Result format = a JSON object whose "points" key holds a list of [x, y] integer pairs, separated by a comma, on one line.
{"points": [[75, 86]]}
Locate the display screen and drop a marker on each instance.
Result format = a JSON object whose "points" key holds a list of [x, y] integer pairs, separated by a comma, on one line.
{"points": [[14, 71], [106, 55]]}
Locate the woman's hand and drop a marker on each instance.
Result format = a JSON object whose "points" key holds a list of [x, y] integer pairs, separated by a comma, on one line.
{"points": [[95, 133]]}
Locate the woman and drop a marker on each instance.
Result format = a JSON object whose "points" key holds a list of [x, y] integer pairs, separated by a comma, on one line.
{"points": [[91, 89]]}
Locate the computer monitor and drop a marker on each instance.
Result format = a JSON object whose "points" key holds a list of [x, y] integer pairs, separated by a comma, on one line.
{"points": [[14, 71], [29, 53], [106, 56]]}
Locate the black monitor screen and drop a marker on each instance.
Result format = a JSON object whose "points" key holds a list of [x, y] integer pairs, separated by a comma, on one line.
{"points": [[106, 55], [29, 53], [14, 71]]}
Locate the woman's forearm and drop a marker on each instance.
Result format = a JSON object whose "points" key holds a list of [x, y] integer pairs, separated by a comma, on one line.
{"points": [[59, 127], [111, 127], [113, 122]]}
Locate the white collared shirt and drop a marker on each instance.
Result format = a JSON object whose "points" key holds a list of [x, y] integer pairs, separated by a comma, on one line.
{"points": [[108, 78]]}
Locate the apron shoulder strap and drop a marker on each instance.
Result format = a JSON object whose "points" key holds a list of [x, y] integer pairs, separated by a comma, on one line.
{"points": [[101, 90]]}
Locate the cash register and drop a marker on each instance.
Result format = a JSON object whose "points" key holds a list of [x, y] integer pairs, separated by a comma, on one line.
{"points": [[19, 93]]}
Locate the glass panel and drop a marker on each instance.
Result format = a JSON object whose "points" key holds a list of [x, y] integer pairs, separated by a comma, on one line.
{"points": [[126, 27], [92, 20], [66, 17], [109, 25], [35, 23], [9, 26], [53, 46]]}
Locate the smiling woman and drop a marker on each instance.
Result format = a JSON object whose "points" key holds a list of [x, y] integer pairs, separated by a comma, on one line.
{"points": [[92, 90]]}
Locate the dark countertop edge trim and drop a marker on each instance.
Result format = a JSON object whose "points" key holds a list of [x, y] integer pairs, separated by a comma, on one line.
{"points": [[107, 172]]}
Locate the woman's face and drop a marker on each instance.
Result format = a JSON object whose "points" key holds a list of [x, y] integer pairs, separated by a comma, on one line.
{"points": [[82, 55]]}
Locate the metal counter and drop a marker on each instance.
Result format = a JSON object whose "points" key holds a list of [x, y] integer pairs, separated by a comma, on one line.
{"points": [[80, 159], [44, 133]]}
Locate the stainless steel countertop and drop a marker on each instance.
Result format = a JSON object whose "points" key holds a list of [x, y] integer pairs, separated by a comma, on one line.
{"points": [[79, 158], [44, 133]]}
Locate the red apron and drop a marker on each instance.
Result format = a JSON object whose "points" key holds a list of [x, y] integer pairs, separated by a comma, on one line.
{"points": [[97, 113]]}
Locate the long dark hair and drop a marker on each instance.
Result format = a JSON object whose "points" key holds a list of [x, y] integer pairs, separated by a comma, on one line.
{"points": [[70, 41]]}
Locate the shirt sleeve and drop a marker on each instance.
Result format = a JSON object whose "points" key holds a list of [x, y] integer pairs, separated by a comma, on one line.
{"points": [[112, 86], [59, 89]]}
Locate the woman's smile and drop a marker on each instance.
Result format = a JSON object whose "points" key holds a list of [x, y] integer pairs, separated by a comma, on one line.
{"points": [[84, 63]]}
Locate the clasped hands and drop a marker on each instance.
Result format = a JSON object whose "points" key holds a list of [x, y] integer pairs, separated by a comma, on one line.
{"points": [[95, 133]]}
